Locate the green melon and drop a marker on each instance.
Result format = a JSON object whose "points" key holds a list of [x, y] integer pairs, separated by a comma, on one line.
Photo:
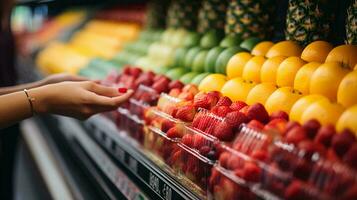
{"points": [[175, 73], [211, 39], [190, 56], [249, 44], [211, 58], [197, 80], [187, 78], [198, 64], [231, 41], [224, 57]]}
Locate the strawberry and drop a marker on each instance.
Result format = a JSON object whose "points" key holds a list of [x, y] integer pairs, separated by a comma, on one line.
{"points": [[235, 162], [188, 96], [186, 113], [166, 125], [161, 85], [224, 101], [279, 115], [175, 132], [215, 93], [224, 131], [221, 110], [342, 142], [236, 118], [223, 159], [209, 124], [244, 110], [295, 191], [290, 125], [190, 88], [204, 150], [203, 100], [187, 140], [350, 156], [142, 80], [175, 92], [198, 141], [238, 105], [276, 125], [324, 135], [258, 112], [261, 155], [251, 172], [295, 135], [158, 77], [311, 127], [176, 84], [135, 71], [126, 70], [255, 124]]}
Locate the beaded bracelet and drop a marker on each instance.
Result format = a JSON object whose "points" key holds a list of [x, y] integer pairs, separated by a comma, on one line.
{"points": [[30, 99]]}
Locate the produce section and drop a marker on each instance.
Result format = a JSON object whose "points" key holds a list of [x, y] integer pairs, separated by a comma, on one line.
{"points": [[224, 106]]}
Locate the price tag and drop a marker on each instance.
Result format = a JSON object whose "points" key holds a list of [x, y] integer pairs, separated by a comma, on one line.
{"points": [[133, 164], [154, 183], [167, 192]]}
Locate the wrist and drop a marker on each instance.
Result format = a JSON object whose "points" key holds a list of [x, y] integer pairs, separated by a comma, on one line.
{"points": [[40, 96]]}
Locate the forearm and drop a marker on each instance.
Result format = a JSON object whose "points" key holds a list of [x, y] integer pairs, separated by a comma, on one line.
{"points": [[12, 89], [14, 107]]}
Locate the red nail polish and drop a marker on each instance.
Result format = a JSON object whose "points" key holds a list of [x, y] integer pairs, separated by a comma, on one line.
{"points": [[122, 90]]}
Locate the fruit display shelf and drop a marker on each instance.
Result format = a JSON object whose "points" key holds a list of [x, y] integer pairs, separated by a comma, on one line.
{"points": [[109, 148]]}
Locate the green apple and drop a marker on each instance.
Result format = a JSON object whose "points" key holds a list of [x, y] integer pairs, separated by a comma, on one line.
{"points": [[231, 41], [211, 39], [211, 58], [187, 78], [197, 80], [191, 39], [190, 56], [198, 64], [179, 59], [249, 44], [175, 73], [224, 57]]}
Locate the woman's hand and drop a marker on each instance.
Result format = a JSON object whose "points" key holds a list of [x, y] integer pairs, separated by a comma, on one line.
{"points": [[77, 99], [57, 78]]}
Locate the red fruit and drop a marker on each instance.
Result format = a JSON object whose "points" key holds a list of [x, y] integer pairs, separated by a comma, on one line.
{"points": [[236, 118], [234, 162], [244, 110], [295, 135], [175, 132], [351, 156], [255, 124], [324, 135], [198, 141], [135, 71], [258, 112], [176, 84], [166, 125], [238, 105], [277, 124], [224, 131], [224, 101], [290, 125], [122, 90], [202, 100], [126, 70], [251, 172], [221, 110], [261, 155], [350, 194], [142, 80], [331, 155], [295, 191], [175, 92], [190, 88], [187, 140], [204, 150], [186, 113], [161, 85], [311, 127], [158, 77], [223, 159], [342, 142], [215, 94], [188, 96], [279, 115], [309, 148]]}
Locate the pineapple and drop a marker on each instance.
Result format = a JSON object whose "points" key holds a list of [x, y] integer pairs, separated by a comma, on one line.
{"points": [[351, 24], [183, 14], [212, 15], [248, 18], [307, 21], [156, 14]]}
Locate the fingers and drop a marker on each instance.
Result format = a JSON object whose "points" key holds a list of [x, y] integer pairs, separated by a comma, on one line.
{"points": [[104, 90], [78, 78], [110, 102]]}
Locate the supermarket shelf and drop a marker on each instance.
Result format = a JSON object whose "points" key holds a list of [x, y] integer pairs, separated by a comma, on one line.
{"points": [[125, 152]]}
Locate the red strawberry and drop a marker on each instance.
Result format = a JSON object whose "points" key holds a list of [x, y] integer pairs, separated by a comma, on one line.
{"points": [[342, 142], [202, 100], [279, 115], [223, 159], [224, 131], [126, 70], [221, 110], [224, 101], [244, 110], [236, 118], [290, 125], [190, 88], [188, 96], [158, 77], [350, 156], [175, 92], [261, 155], [161, 85], [187, 140], [234, 162], [310, 148], [176, 84], [143, 81], [198, 141], [251, 172], [255, 124], [237, 105], [295, 191], [350, 194], [166, 125], [204, 150], [215, 94], [186, 113], [135, 71], [295, 135], [175, 132], [325, 134], [277, 125], [258, 112], [311, 127]]}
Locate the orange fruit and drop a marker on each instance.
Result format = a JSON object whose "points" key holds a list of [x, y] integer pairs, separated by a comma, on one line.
{"points": [[302, 104], [347, 90], [282, 99], [269, 69], [303, 76], [345, 54], [348, 119], [262, 48], [237, 89], [324, 111], [284, 48], [260, 93], [287, 70], [326, 79], [316, 51], [251, 71], [236, 64], [212, 82]]}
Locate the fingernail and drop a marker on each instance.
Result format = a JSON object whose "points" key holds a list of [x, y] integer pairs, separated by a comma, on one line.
{"points": [[122, 90]]}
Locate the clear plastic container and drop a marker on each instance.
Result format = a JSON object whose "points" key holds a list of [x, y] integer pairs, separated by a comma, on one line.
{"points": [[130, 124]]}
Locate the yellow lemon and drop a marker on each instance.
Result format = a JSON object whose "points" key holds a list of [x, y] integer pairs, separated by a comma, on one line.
{"points": [[236, 64], [262, 48], [284, 48], [345, 54], [300, 106], [303, 76], [316, 51], [347, 90], [269, 69], [348, 119], [212, 82], [282, 99], [251, 70], [287, 70], [260, 93], [237, 89]]}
